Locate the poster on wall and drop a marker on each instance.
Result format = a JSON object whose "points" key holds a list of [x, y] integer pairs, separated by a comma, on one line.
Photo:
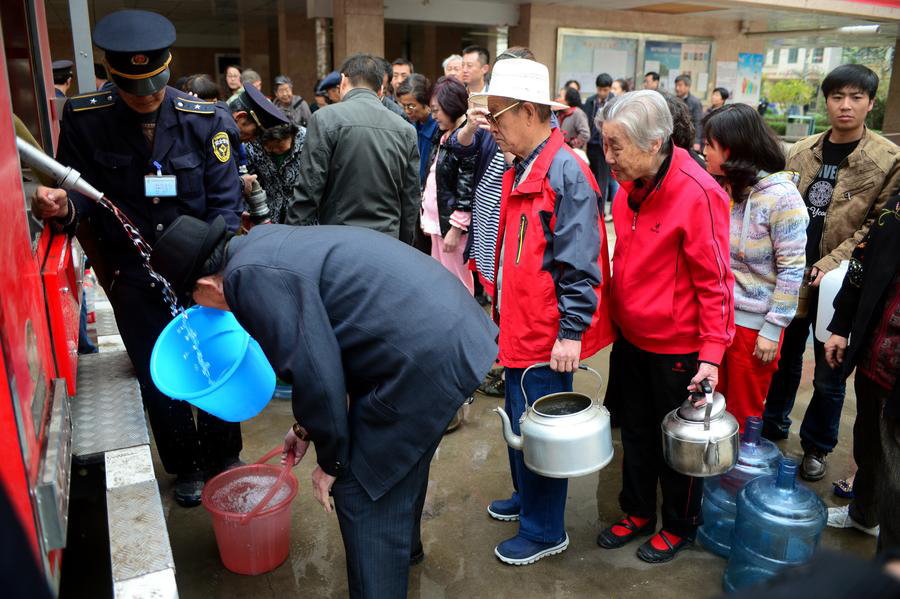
{"points": [[695, 63], [726, 75], [667, 56], [582, 57], [749, 78]]}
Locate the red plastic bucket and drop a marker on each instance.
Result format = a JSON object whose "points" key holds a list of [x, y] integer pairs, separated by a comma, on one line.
{"points": [[261, 542]]}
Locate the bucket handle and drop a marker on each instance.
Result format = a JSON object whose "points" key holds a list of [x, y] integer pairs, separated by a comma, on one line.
{"points": [[288, 464], [541, 364]]}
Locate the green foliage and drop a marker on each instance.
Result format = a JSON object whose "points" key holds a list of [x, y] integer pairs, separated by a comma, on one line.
{"points": [[790, 92]]}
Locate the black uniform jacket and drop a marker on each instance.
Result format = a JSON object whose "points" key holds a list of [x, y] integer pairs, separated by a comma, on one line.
{"points": [[344, 311], [102, 139]]}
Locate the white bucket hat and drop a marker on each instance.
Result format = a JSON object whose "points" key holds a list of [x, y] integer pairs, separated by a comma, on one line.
{"points": [[519, 79]]}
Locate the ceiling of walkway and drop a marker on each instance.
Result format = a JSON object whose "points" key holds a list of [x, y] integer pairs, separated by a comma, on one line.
{"points": [[214, 22]]}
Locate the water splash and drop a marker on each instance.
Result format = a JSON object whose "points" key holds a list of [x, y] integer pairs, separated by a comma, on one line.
{"points": [[243, 494], [168, 294]]}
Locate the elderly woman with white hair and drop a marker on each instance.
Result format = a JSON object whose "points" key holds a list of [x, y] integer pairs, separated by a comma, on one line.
{"points": [[673, 305]]}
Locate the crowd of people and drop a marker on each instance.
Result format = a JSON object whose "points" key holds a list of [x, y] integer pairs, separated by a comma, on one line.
{"points": [[722, 240]]}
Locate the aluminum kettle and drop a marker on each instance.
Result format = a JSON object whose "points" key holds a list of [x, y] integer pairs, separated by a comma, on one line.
{"points": [[701, 441], [563, 435]]}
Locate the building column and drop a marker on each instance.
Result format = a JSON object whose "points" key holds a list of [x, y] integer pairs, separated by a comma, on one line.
{"points": [[358, 27], [891, 127], [259, 44], [296, 47]]}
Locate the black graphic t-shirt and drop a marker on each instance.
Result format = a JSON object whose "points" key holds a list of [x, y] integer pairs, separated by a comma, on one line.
{"points": [[818, 195]]}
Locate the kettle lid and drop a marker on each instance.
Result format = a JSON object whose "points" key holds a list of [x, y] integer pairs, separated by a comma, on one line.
{"points": [[688, 412]]}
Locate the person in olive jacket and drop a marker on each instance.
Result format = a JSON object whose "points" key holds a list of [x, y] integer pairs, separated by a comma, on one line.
{"points": [[360, 163]]}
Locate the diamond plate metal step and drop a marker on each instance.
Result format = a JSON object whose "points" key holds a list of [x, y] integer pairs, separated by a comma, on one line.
{"points": [[107, 412], [139, 548], [105, 323]]}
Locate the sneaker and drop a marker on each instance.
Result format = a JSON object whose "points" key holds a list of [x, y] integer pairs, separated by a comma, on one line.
{"points": [[813, 466], [650, 554], [189, 489], [839, 517], [493, 384], [610, 540], [505, 510], [519, 551]]}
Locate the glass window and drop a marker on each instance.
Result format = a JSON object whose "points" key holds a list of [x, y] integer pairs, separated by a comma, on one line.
{"points": [[792, 55], [818, 54], [776, 56]]}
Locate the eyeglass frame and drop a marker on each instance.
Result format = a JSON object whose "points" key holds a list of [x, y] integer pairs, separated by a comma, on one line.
{"points": [[491, 118]]}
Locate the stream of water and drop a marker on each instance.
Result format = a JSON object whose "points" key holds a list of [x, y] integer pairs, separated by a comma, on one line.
{"points": [[169, 296]]}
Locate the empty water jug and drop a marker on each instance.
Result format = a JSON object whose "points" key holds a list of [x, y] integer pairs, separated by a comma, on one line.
{"points": [[778, 524], [756, 457]]}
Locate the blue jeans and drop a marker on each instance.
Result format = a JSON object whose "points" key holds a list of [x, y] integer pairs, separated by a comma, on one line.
{"points": [[85, 345], [823, 416], [542, 499], [378, 535]]}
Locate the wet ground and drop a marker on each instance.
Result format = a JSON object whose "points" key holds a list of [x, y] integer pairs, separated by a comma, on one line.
{"points": [[469, 470]]}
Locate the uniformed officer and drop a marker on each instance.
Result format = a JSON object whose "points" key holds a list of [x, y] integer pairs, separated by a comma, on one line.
{"points": [[254, 113], [157, 153], [62, 77]]}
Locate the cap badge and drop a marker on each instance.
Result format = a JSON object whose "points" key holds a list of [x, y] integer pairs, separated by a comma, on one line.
{"points": [[139, 59]]}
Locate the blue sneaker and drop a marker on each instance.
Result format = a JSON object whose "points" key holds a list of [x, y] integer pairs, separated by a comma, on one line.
{"points": [[506, 510], [519, 551]]}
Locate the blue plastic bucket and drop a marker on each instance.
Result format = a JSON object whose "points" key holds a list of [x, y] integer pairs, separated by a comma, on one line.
{"points": [[242, 378]]}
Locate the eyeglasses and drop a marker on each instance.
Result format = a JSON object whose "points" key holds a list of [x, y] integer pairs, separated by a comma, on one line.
{"points": [[493, 118], [410, 106]]}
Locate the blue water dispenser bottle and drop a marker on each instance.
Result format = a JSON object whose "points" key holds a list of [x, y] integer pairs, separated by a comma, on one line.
{"points": [[779, 522], [756, 457]]}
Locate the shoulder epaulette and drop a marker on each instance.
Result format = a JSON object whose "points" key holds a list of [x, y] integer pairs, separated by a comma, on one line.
{"points": [[101, 99], [193, 105]]}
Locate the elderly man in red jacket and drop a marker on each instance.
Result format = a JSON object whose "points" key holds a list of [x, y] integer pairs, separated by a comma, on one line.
{"points": [[672, 300], [552, 285]]}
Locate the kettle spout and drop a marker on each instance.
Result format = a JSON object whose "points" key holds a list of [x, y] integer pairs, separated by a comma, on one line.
{"points": [[512, 439]]}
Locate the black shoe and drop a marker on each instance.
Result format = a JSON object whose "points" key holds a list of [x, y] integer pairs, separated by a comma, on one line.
{"points": [[493, 384], [188, 489], [610, 540], [773, 433], [813, 466], [650, 554], [417, 556]]}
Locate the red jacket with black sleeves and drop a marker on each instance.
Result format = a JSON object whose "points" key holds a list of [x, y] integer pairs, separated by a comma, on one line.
{"points": [[555, 277], [672, 287]]}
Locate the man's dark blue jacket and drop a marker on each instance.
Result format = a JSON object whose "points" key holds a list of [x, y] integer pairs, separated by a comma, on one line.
{"points": [[344, 311]]}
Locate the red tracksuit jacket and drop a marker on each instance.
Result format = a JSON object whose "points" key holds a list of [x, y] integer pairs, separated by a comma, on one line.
{"points": [[672, 287]]}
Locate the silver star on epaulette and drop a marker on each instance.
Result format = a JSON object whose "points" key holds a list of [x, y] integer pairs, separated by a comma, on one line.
{"points": [[181, 104], [93, 100], [196, 107]]}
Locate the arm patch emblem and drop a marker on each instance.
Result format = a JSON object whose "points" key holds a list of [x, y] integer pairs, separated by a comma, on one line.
{"points": [[221, 146]]}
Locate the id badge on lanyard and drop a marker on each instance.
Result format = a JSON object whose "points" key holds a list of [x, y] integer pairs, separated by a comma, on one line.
{"points": [[160, 185]]}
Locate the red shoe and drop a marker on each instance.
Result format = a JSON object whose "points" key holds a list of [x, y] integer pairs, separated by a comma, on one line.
{"points": [[634, 527], [662, 547]]}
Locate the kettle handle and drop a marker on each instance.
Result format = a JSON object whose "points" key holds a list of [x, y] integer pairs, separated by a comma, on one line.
{"points": [[542, 364]]}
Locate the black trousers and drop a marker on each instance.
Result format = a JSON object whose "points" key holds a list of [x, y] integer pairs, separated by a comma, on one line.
{"points": [[601, 172], [184, 446], [654, 385], [876, 450], [379, 535]]}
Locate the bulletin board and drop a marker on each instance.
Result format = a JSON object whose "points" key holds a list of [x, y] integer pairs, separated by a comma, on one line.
{"points": [[582, 54]]}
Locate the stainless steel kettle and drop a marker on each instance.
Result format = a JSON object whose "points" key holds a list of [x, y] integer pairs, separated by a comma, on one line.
{"points": [[563, 434], [703, 440]]}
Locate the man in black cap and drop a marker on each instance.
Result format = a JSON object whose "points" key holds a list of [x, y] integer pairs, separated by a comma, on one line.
{"points": [[62, 77], [254, 113], [331, 306], [330, 88], [157, 153]]}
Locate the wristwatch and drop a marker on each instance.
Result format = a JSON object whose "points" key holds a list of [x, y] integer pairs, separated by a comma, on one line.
{"points": [[301, 434]]}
